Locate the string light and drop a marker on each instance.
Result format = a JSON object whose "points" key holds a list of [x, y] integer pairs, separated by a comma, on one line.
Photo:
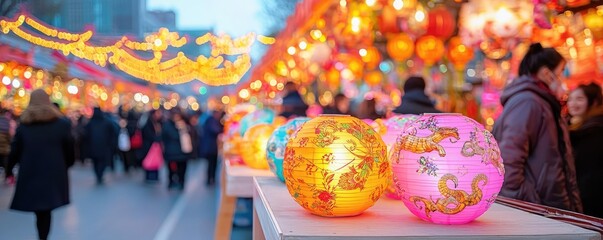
{"points": [[213, 70]]}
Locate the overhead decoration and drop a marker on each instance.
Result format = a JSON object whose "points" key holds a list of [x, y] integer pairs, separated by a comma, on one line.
{"points": [[213, 70], [448, 168]]}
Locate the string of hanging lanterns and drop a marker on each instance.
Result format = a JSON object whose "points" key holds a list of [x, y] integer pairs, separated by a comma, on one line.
{"points": [[212, 70]]}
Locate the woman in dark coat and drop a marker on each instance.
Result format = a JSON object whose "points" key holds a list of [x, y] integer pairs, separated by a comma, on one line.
{"points": [[173, 155], [43, 147], [585, 104], [100, 138], [212, 128], [533, 137], [151, 133]]}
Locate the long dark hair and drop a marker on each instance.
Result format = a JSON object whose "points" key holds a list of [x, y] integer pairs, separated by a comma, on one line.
{"points": [[593, 94], [537, 57]]}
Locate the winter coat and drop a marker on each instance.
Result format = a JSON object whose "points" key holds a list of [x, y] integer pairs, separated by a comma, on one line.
{"points": [[100, 137], [149, 136], [172, 151], [43, 147], [211, 130], [586, 141], [294, 105], [5, 136], [535, 147], [416, 102]]}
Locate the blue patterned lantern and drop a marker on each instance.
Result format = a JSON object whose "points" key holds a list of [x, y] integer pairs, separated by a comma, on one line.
{"points": [[275, 150], [256, 117]]}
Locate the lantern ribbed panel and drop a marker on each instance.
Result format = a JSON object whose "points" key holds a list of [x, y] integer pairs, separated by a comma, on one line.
{"points": [[336, 166], [395, 126], [447, 168], [275, 149], [254, 143]]}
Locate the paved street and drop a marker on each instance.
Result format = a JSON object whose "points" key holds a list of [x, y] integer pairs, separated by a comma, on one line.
{"points": [[124, 208]]}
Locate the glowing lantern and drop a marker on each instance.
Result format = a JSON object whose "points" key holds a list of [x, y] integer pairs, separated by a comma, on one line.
{"points": [[256, 117], [354, 63], [458, 53], [333, 77], [430, 49], [275, 150], [416, 24], [373, 78], [336, 166], [448, 168], [388, 20], [593, 20], [254, 144], [400, 47], [372, 58], [441, 23], [394, 127]]}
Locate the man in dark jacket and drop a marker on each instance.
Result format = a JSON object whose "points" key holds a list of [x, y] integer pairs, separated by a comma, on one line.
{"points": [[415, 101], [173, 153], [101, 139], [293, 104], [211, 130]]}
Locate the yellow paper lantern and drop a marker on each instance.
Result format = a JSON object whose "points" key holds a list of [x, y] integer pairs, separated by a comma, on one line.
{"points": [[400, 47], [373, 78], [254, 144], [430, 49], [335, 166]]}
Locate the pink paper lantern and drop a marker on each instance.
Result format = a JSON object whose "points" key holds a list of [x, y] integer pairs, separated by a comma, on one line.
{"points": [[447, 168], [395, 126]]}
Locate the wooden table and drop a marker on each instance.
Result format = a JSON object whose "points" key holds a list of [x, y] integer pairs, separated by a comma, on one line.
{"points": [[278, 216], [236, 182]]}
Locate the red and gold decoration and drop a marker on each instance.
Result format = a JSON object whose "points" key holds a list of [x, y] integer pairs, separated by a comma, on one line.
{"points": [[336, 166]]}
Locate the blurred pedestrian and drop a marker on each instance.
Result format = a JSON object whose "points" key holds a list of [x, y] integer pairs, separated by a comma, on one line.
{"points": [[293, 104], [177, 147], [101, 139], [5, 139], [213, 127], [129, 120], [151, 133], [43, 147], [414, 100], [585, 105], [368, 110], [533, 137], [341, 105]]}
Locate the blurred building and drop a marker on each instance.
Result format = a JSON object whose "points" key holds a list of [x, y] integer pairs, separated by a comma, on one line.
{"points": [[157, 19], [106, 17]]}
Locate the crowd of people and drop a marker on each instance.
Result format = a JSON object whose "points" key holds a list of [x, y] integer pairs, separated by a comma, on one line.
{"points": [[548, 140], [44, 143]]}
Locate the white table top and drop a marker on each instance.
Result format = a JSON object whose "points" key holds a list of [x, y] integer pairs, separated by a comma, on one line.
{"points": [[239, 179], [282, 218]]}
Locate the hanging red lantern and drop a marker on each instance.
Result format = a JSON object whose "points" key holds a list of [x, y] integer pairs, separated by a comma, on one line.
{"points": [[430, 49], [400, 47], [388, 20], [458, 53], [441, 23]]}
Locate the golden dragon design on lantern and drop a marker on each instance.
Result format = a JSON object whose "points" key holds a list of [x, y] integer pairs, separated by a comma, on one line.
{"points": [[453, 201], [415, 144], [490, 154]]}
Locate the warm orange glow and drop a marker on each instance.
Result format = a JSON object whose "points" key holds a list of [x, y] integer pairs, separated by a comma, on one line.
{"points": [[254, 146], [336, 166]]}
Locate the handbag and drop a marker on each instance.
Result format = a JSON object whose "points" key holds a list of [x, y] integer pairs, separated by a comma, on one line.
{"points": [[136, 140], [186, 144], [123, 140], [154, 158]]}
